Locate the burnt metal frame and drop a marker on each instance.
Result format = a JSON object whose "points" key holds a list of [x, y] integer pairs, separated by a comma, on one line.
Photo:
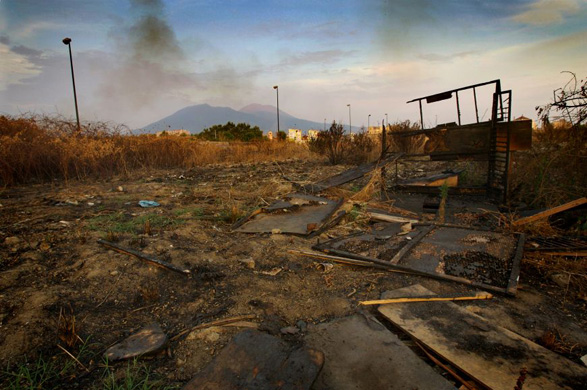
{"points": [[499, 113], [326, 247]]}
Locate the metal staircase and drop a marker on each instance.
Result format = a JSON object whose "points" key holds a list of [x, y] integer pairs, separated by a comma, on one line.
{"points": [[499, 146]]}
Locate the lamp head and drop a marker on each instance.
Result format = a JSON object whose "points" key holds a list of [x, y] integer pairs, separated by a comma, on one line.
{"points": [[66, 41], [275, 87]]}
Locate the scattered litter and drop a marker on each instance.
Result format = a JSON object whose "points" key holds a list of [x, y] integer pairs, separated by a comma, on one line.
{"points": [[147, 341], [66, 223], [327, 267], [119, 189], [249, 262], [148, 203], [272, 272]]}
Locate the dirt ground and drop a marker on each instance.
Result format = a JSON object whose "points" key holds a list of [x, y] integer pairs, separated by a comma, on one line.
{"points": [[51, 263]]}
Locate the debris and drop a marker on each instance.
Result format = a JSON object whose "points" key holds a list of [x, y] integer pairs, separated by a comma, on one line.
{"points": [[379, 216], [224, 321], [148, 340], [119, 189], [249, 262], [451, 179], [360, 353], [486, 351], [272, 272], [561, 280], [327, 267], [428, 299], [148, 203], [255, 360], [291, 215], [150, 259], [492, 266], [347, 176], [584, 359], [549, 212]]}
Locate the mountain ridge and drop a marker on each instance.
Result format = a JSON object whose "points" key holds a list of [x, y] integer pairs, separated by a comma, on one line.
{"points": [[201, 116]]}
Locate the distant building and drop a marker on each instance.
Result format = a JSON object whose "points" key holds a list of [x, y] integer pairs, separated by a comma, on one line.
{"points": [[173, 132], [270, 135], [294, 135], [523, 118], [374, 130], [313, 134]]}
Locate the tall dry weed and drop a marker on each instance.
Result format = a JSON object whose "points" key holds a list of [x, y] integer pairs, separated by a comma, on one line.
{"points": [[38, 149], [554, 170]]}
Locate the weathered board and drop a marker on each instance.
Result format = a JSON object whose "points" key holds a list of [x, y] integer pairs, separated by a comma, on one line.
{"points": [[360, 353], [256, 360], [489, 353]]}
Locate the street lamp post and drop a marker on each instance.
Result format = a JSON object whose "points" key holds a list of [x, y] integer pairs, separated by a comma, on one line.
{"points": [[350, 126], [276, 88], [67, 42], [386, 120], [368, 122], [324, 124]]}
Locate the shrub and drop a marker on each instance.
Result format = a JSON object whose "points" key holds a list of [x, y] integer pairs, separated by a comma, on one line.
{"points": [[341, 148]]}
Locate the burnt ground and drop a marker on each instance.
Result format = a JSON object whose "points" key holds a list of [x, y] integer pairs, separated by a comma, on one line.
{"points": [[51, 263]]}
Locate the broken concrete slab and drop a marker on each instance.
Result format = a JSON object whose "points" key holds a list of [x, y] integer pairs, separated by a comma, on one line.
{"points": [[146, 341], [299, 214], [256, 360], [489, 353], [360, 353]]}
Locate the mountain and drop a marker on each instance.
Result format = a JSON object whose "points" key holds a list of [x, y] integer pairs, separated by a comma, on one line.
{"points": [[197, 118]]}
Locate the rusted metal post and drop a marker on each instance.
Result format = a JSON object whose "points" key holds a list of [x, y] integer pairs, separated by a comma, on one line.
{"points": [[458, 107], [383, 151], [421, 116], [476, 109]]}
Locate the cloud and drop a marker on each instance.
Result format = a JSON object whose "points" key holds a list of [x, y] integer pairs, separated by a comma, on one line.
{"points": [[545, 12], [321, 57], [14, 66], [434, 57]]}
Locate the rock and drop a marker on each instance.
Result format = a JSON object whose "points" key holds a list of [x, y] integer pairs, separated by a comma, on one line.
{"points": [[249, 262], [584, 359], [114, 273], [302, 325], [561, 280], [12, 240], [146, 341], [290, 330], [119, 189]]}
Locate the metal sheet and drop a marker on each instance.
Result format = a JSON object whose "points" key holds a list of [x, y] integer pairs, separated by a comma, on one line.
{"points": [[296, 214]]}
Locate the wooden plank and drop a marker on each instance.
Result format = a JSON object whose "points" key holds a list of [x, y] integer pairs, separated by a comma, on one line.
{"points": [[549, 212], [485, 351], [402, 252], [477, 297], [390, 218]]}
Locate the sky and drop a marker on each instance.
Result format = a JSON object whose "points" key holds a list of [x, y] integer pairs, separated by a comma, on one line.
{"points": [[137, 61]]}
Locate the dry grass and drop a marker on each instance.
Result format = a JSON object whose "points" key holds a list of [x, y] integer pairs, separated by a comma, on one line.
{"points": [[36, 149], [553, 171]]}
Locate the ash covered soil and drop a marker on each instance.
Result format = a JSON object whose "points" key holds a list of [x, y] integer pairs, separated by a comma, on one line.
{"points": [[51, 263]]}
